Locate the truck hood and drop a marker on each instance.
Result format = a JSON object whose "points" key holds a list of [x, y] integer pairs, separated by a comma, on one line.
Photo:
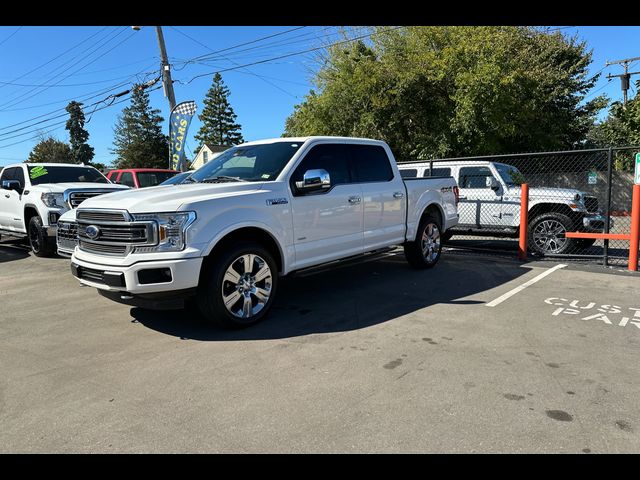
{"points": [[168, 198], [61, 187]]}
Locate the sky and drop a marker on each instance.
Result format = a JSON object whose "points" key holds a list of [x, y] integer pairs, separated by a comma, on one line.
{"points": [[43, 68]]}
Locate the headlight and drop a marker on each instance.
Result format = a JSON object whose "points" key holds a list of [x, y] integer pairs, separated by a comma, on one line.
{"points": [[172, 228], [55, 200]]}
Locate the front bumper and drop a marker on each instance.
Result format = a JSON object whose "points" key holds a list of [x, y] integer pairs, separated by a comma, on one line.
{"points": [[184, 275], [595, 223]]}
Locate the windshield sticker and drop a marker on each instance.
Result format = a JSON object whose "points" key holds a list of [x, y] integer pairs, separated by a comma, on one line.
{"points": [[38, 171], [266, 175]]}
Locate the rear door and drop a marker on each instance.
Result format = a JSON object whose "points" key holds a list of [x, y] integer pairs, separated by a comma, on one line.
{"points": [[327, 225], [383, 196], [479, 205]]}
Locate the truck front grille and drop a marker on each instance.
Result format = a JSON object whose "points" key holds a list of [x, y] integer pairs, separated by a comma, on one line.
{"points": [[113, 232], [67, 235], [79, 196]]}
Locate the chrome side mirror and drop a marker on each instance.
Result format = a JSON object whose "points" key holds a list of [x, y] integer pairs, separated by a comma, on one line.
{"points": [[313, 180]]}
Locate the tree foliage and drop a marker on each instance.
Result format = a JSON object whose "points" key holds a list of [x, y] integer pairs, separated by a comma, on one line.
{"points": [[218, 119], [620, 128], [50, 150], [81, 152], [443, 91], [138, 138]]}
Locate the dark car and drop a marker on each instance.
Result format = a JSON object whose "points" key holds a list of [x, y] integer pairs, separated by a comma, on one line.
{"points": [[140, 177]]}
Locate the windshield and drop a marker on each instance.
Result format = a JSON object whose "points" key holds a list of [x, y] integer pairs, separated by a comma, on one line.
{"points": [[53, 174], [151, 179], [510, 174], [251, 163]]}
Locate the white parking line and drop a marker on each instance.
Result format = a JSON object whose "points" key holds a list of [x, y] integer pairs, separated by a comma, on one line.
{"points": [[519, 288]]}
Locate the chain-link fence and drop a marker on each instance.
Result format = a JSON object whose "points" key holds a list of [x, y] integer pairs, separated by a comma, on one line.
{"points": [[569, 191]]}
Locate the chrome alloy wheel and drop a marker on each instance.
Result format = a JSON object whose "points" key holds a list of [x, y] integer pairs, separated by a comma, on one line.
{"points": [[431, 242], [549, 236], [246, 286]]}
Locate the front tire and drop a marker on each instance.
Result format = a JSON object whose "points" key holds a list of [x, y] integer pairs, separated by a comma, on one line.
{"points": [[239, 288], [424, 251], [547, 234], [38, 239]]}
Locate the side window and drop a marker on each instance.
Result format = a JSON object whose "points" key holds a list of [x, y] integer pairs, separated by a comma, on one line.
{"points": [[438, 172], [205, 156], [8, 174], [409, 173], [370, 163], [475, 177], [19, 175], [332, 158], [127, 179]]}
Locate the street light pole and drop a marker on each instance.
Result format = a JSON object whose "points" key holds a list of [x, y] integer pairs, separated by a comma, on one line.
{"points": [[166, 70]]}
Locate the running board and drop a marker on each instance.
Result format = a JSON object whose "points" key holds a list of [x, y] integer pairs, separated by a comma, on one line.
{"points": [[345, 262]]}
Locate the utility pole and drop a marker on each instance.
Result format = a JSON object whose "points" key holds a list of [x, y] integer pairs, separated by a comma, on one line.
{"points": [[166, 70], [624, 77]]}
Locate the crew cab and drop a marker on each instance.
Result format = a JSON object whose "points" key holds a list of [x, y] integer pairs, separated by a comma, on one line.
{"points": [[257, 211], [33, 196], [140, 177], [490, 205]]}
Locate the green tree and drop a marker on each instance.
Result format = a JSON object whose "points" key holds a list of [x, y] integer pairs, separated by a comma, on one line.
{"points": [[620, 128], [441, 91], [138, 138], [219, 125], [50, 150], [81, 152]]}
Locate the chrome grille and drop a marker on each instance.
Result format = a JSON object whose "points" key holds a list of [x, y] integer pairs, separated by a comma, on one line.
{"points": [[76, 197], [113, 232], [119, 250], [116, 233], [102, 216], [591, 203]]}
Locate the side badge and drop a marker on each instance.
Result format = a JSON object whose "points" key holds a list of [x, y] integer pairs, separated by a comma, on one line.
{"points": [[277, 201]]}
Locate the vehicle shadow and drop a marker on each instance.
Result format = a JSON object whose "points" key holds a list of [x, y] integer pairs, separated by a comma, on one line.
{"points": [[349, 298], [13, 249]]}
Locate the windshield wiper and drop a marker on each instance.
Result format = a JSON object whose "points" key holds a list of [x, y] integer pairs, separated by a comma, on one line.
{"points": [[223, 178]]}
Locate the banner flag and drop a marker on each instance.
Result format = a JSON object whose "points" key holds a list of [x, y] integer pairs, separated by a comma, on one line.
{"points": [[179, 122]]}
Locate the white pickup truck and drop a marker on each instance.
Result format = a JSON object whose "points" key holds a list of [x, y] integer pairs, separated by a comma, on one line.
{"points": [[490, 205], [33, 196], [257, 211]]}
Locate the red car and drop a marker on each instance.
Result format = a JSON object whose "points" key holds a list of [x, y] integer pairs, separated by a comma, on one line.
{"points": [[140, 177]]}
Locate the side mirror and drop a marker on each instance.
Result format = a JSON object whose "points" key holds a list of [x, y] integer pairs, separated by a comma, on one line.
{"points": [[495, 185], [313, 180], [11, 185]]}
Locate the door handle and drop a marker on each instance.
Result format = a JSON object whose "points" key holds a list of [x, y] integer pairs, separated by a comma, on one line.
{"points": [[462, 198], [7, 196], [398, 195], [354, 200]]}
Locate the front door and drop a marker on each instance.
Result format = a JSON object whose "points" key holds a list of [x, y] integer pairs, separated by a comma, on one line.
{"points": [[480, 206], [328, 224], [10, 204]]}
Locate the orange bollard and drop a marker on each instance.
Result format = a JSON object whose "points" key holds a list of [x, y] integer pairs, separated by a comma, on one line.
{"points": [[635, 229], [524, 221]]}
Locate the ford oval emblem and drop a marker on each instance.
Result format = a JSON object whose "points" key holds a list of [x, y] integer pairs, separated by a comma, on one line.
{"points": [[92, 232]]}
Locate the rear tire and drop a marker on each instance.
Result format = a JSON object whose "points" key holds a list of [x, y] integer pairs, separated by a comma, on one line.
{"points": [[424, 251], [39, 242], [234, 295]]}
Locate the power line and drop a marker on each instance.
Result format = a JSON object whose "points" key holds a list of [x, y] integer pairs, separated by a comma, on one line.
{"points": [[291, 54], [236, 63], [58, 56], [11, 35], [59, 124], [17, 99]]}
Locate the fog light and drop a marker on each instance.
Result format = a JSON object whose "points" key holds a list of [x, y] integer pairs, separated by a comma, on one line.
{"points": [[53, 218], [154, 275]]}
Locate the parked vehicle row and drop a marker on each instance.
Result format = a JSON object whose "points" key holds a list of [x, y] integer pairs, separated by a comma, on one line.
{"points": [[223, 236], [490, 205], [35, 195]]}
